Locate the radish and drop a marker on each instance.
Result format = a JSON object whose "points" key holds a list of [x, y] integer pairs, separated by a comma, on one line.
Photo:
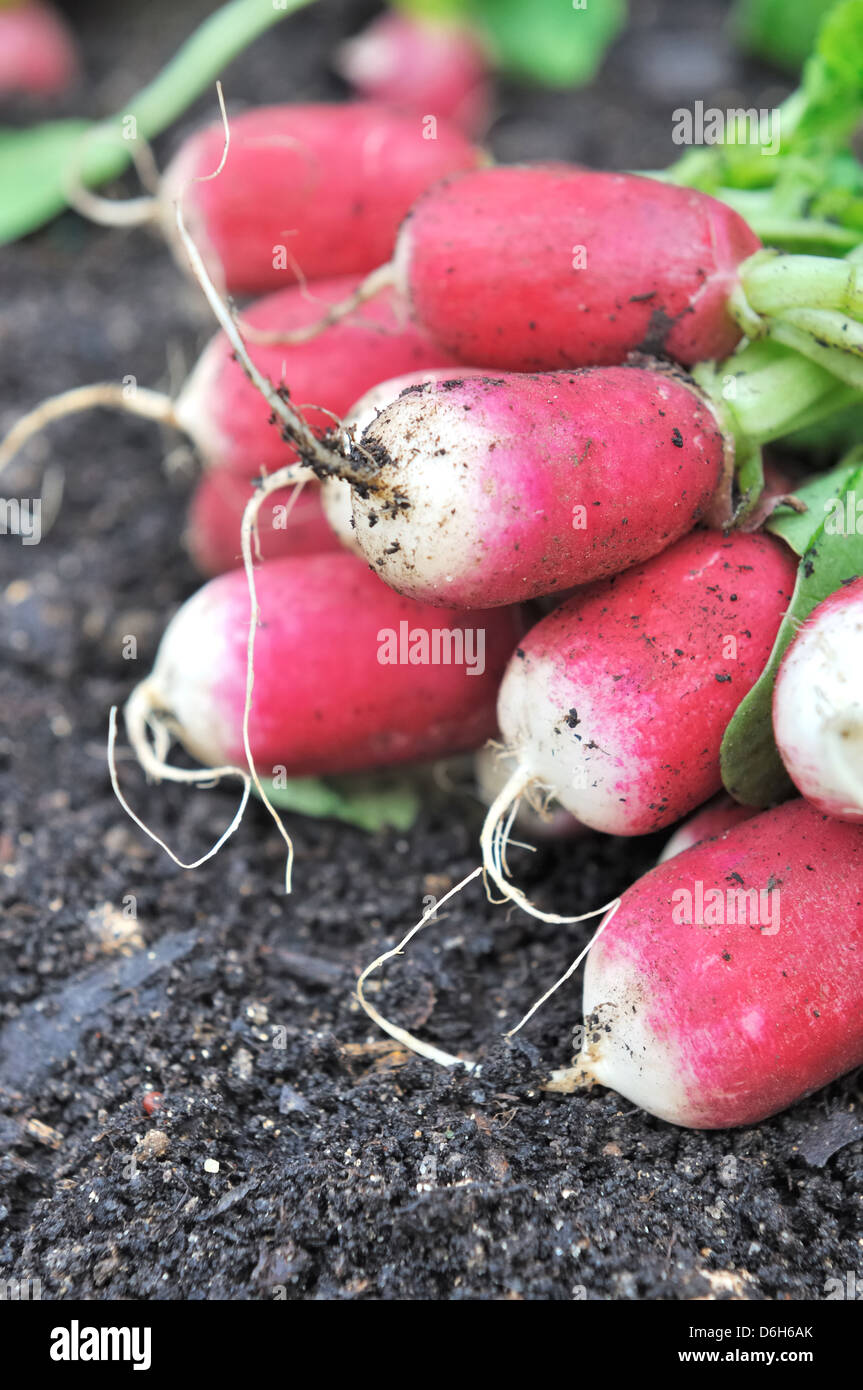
{"points": [[420, 65], [728, 983], [223, 413], [818, 705], [348, 674], [487, 490], [37, 51], [616, 702], [717, 816], [495, 489], [536, 268], [289, 523], [307, 191]]}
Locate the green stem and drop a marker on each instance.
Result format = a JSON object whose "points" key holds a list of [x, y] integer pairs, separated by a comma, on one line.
{"points": [[190, 72], [825, 337], [766, 391], [773, 282]]}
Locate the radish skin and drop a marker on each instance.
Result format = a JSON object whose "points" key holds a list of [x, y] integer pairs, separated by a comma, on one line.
{"points": [[420, 66], [711, 820], [287, 525], [532, 269], [322, 188], [721, 1023], [323, 701], [616, 703], [38, 55], [492, 490], [818, 705], [225, 415]]}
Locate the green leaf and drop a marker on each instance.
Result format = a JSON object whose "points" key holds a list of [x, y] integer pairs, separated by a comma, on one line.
{"points": [[752, 769], [558, 43], [832, 87], [782, 31], [797, 529], [378, 801], [815, 177], [35, 163], [32, 166]]}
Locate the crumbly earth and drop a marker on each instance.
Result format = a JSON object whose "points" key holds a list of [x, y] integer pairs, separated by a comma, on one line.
{"points": [[294, 1152]]}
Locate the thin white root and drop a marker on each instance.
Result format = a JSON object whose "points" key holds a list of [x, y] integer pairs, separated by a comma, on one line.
{"points": [[292, 474], [306, 441], [572, 969], [493, 840], [376, 281], [140, 715], [423, 1049], [151, 405], [116, 212]]}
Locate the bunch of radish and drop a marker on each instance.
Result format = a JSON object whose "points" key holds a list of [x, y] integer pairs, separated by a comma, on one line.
{"points": [[471, 389]]}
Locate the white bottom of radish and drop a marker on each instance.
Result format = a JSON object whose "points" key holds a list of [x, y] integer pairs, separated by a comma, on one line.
{"points": [[196, 641], [590, 774], [621, 1049], [818, 709], [423, 550]]}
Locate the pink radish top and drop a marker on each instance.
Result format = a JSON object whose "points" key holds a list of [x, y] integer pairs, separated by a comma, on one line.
{"points": [[321, 187], [533, 269], [37, 50], [436, 68], [284, 527], [618, 700]]}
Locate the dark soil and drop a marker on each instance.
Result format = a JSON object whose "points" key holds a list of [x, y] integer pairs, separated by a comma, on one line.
{"points": [[346, 1169]]}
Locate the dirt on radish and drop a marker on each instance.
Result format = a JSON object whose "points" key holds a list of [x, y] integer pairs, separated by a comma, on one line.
{"points": [[240, 1009]]}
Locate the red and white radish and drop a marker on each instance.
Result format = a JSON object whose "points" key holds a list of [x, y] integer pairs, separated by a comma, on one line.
{"points": [[348, 674], [38, 55], [306, 190], [616, 703], [536, 268], [818, 705], [719, 815], [433, 67], [727, 984], [224, 415], [288, 523], [490, 490]]}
